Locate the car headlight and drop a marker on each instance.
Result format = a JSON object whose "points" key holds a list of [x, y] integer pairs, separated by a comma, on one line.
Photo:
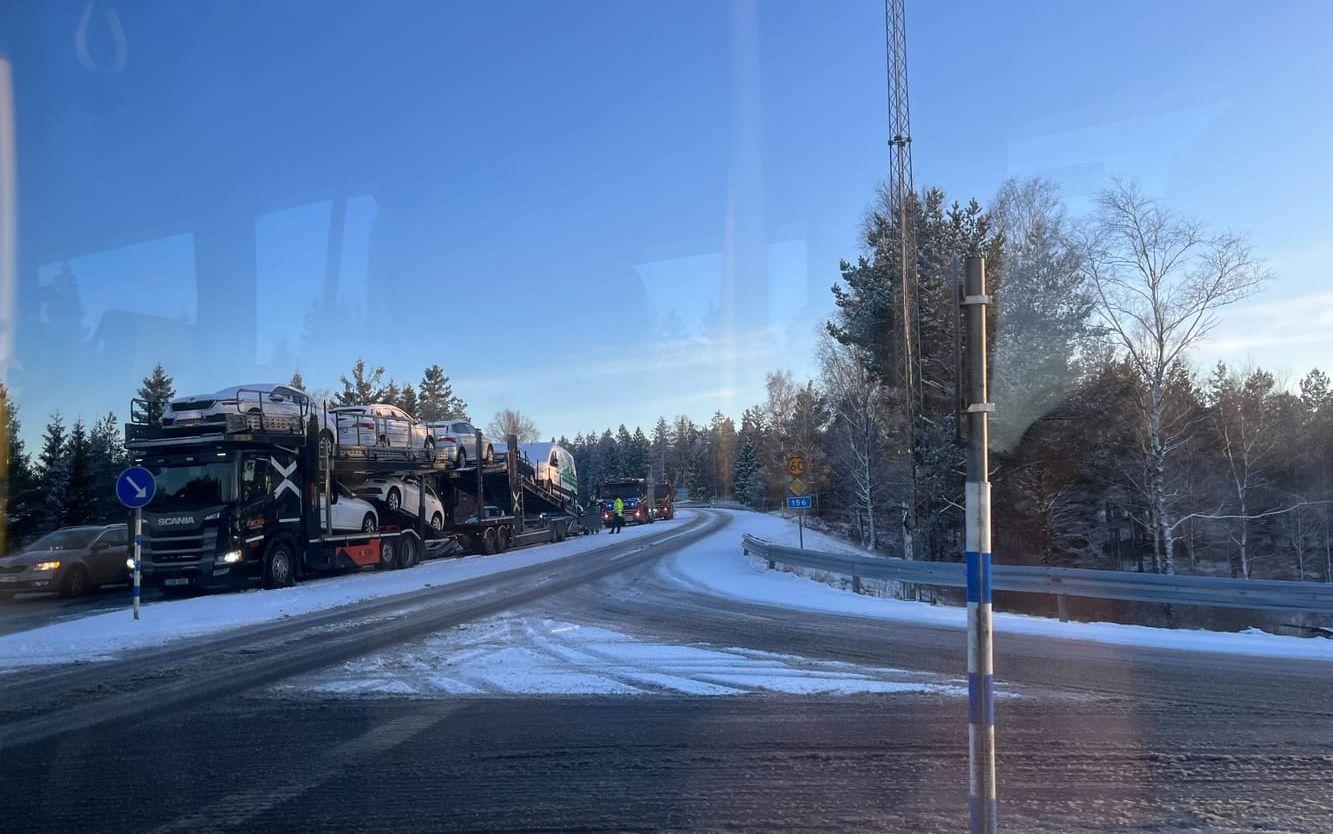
{"points": [[46, 566], [230, 558], [129, 563]]}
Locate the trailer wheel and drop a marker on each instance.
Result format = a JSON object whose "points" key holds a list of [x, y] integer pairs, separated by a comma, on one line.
{"points": [[409, 552], [489, 542], [502, 540], [279, 566], [388, 554]]}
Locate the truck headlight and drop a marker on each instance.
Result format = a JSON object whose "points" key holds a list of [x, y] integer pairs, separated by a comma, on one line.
{"points": [[46, 566], [230, 558]]}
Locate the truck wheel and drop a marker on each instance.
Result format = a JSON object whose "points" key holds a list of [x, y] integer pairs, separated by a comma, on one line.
{"points": [[388, 554], [501, 540], [368, 523], [76, 582], [488, 542], [395, 500], [279, 566]]}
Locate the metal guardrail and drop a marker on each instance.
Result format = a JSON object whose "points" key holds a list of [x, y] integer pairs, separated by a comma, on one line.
{"points": [[1208, 591]]}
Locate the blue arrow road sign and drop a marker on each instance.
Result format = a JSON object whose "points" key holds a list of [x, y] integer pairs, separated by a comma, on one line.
{"points": [[135, 487], [800, 502]]}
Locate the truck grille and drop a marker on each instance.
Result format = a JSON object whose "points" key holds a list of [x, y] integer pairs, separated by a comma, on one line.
{"points": [[169, 548]]}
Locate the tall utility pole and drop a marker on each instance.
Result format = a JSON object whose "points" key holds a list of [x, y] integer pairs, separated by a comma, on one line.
{"points": [[900, 195]]}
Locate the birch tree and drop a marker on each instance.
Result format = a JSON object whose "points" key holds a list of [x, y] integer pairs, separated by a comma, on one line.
{"points": [[1158, 282], [858, 402]]}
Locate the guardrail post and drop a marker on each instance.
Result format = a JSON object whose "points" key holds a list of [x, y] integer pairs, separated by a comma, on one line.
{"points": [[1062, 605], [856, 584], [980, 663]]}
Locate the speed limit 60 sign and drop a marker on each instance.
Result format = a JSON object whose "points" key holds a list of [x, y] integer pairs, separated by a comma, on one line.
{"points": [[795, 465]]}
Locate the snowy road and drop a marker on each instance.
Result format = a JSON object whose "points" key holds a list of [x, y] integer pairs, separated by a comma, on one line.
{"points": [[658, 687]]}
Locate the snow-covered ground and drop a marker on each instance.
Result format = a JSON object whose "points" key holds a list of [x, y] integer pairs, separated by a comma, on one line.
{"points": [[515, 655], [102, 636], [716, 565]]}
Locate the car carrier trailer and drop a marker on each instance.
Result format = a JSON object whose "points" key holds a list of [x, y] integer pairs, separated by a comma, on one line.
{"points": [[239, 499]]}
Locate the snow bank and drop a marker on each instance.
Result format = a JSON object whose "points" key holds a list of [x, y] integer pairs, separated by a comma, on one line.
{"points": [[717, 565], [102, 636]]}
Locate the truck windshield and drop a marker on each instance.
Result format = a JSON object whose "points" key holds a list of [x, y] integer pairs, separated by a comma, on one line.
{"points": [[186, 483], [623, 491]]}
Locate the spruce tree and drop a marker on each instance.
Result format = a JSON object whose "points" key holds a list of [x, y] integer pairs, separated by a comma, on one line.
{"points": [[409, 401], [52, 476], [436, 399], [297, 381], [107, 450], [80, 493], [155, 392], [16, 490]]}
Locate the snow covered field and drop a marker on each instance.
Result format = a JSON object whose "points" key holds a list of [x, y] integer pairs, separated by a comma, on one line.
{"points": [[510, 655], [102, 636], [716, 565]]}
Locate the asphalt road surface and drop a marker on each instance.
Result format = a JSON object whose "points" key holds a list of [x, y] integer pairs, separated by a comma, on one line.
{"points": [[25, 611], [600, 694]]}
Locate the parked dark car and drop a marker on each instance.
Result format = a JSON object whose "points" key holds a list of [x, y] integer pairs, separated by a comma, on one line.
{"points": [[72, 561]]}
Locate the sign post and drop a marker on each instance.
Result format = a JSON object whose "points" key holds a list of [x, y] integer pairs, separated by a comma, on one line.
{"points": [[796, 468], [135, 488], [980, 663]]}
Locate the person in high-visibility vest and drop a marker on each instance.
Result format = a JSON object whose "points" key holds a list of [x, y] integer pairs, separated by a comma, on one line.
{"points": [[617, 515]]}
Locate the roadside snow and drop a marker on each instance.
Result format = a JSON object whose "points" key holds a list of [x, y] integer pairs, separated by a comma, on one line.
{"points": [[517, 655], [102, 636], [717, 565]]}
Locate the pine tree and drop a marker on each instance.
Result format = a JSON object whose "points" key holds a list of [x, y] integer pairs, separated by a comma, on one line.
{"points": [[52, 476], [80, 493], [436, 399], [364, 387], [16, 491], [156, 391]]}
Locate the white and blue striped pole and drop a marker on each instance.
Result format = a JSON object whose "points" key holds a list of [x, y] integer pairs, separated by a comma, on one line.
{"points": [[980, 668], [138, 544]]}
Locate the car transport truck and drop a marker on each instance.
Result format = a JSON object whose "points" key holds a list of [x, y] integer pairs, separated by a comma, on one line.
{"points": [[242, 498]]}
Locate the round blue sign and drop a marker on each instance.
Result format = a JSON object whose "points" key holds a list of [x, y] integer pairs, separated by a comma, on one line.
{"points": [[135, 487]]}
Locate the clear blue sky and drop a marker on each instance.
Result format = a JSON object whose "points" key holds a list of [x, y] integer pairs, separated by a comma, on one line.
{"points": [[657, 195]]}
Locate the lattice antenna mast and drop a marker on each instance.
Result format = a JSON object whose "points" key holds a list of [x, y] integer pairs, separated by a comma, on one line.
{"points": [[900, 194]]}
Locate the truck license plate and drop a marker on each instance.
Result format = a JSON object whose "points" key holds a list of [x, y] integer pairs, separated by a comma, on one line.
{"points": [[177, 581]]}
